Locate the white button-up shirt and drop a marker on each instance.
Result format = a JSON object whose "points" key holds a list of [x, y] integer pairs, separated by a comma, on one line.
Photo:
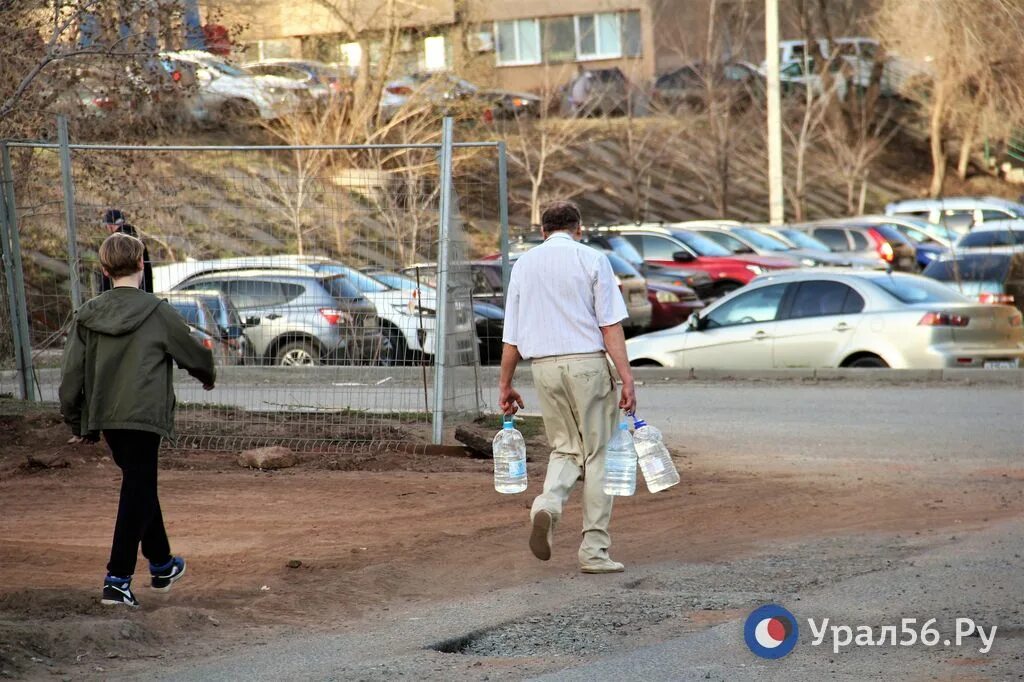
{"points": [[560, 295]]}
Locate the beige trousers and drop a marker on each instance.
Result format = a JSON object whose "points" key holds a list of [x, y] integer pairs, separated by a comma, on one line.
{"points": [[580, 409]]}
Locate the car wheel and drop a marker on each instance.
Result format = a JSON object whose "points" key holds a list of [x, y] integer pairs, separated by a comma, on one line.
{"points": [[239, 112], [394, 350], [298, 354], [868, 361]]}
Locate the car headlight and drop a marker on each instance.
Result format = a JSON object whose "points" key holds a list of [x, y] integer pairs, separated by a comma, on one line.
{"points": [[756, 269], [666, 297], [809, 262]]}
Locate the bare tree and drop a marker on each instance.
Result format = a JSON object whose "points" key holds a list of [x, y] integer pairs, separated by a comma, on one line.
{"points": [[538, 144], [962, 62]]}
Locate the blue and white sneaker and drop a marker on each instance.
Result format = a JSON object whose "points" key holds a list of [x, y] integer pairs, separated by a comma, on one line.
{"points": [[118, 592], [164, 576]]}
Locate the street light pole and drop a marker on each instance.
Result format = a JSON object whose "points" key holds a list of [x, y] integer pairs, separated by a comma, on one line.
{"points": [[776, 205]]}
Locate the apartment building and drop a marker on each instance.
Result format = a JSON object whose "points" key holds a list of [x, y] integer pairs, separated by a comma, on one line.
{"points": [[519, 45]]}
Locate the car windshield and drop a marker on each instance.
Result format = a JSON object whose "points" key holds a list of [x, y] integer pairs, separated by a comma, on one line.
{"points": [[340, 286], [620, 266], [992, 238], [916, 289], [972, 268], [760, 240], [702, 245], [805, 241], [623, 248], [397, 281], [362, 282], [891, 234], [188, 310]]}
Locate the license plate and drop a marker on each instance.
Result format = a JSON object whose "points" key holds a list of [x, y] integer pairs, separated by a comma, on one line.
{"points": [[1002, 364]]}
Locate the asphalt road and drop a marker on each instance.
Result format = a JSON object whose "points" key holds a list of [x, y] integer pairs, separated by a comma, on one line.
{"points": [[871, 579]]}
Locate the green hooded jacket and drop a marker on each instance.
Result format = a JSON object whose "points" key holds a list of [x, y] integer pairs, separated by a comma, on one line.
{"points": [[117, 371]]}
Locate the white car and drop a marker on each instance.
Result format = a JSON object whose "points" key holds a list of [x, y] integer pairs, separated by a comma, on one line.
{"points": [[228, 92], [408, 322], [960, 214], [821, 318]]}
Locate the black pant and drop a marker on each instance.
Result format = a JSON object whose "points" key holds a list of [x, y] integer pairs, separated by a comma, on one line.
{"points": [[138, 512]]}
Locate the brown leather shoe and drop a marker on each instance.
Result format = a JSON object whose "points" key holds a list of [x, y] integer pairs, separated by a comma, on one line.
{"points": [[540, 537], [608, 566]]}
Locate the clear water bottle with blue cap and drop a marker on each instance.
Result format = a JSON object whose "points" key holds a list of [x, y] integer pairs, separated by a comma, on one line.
{"points": [[509, 448], [620, 463], [655, 461]]}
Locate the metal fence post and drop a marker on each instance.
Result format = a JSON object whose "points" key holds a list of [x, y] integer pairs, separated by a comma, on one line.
{"points": [[443, 264], [71, 219], [506, 269], [16, 279]]}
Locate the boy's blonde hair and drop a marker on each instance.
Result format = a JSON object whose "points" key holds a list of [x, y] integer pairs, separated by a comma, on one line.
{"points": [[120, 254]]}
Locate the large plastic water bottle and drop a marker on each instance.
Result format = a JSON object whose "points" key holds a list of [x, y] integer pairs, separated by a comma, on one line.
{"points": [[620, 463], [655, 461], [509, 450]]}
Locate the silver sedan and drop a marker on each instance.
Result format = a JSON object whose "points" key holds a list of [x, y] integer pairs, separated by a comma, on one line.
{"points": [[832, 318]]}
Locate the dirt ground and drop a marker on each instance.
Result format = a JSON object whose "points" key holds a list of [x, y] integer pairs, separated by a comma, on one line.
{"points": [[341, 539]]}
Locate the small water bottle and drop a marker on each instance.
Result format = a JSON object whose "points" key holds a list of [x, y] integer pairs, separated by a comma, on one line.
{"points": [[655, 461], [620, 463], [509, 450]]}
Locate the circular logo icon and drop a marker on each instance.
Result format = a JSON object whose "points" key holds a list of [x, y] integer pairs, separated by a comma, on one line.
{"points": [[771, 631]]}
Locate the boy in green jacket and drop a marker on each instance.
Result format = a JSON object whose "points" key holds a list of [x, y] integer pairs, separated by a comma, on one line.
{"points": [[117, 380]]}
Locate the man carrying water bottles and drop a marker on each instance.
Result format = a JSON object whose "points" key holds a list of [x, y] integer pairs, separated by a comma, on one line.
{"points": [[563, 312]]}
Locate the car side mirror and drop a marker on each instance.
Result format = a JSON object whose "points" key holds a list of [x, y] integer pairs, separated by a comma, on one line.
{"points": [[682, 257], [695, 323], [251, 322]]}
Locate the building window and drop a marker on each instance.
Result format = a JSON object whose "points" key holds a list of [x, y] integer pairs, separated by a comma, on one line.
{"points": [[631, 35], [598, 36], [518, 42], [435, 57], [351, 55], [559, 36]]}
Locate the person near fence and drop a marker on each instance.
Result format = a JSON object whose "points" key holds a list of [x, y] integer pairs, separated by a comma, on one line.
{"points": [[114, 221], [116, 380], [564, 312]]}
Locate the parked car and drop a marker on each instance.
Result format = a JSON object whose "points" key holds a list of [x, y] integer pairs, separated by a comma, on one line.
{"points": [[995, 276], [452, 94], [198, 315], [675, 275], [958, 213], [993, 234], [930, 241], [747, 240], [817, 318], [230, 326], [805, 242], [227, 93], [634, 292], [488, 318], [323, 81], [304, 318], [671, 304], [487, 283], [668, 246], [735, 83], [865, 241]]}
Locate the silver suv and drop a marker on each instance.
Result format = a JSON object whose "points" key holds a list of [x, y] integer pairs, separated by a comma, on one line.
{"points": [[304, 319]]}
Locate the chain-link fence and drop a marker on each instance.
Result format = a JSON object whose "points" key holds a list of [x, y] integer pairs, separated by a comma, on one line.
{"points": [[332, 283]]}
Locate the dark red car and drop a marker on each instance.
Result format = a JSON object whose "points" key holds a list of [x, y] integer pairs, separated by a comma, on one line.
{"points": [[670, 246], [671, 304]]}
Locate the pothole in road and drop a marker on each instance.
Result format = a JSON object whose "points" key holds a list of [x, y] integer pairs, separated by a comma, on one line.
{"points": [[592, 627]]}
